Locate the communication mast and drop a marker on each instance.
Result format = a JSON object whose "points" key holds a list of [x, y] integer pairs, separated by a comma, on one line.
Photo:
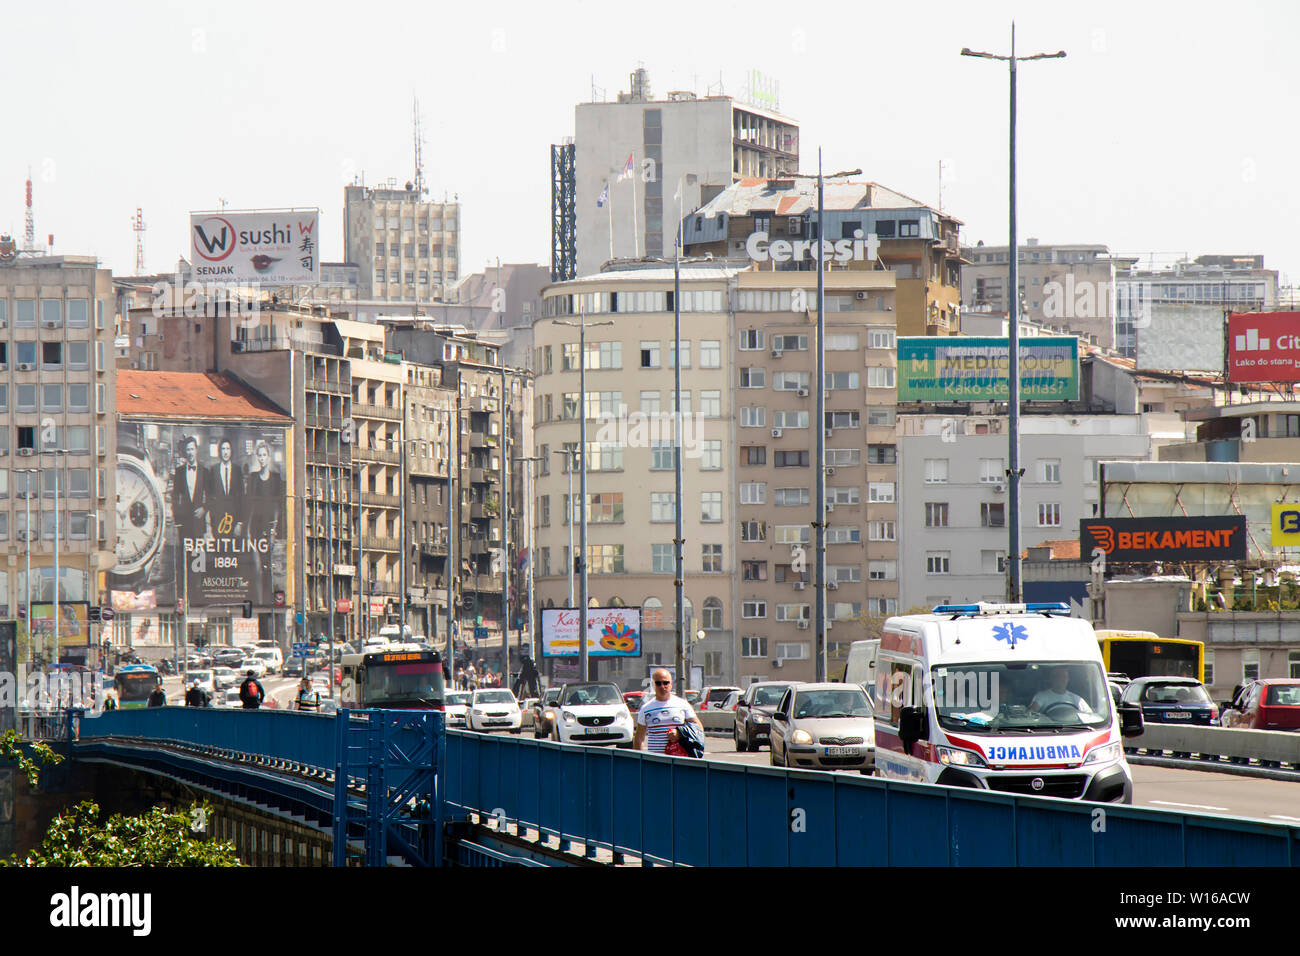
{"points": [[29, 230], [138, 226], [420, 189]]}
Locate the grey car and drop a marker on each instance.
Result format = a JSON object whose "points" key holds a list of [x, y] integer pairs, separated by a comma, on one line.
{"points": [[824, 727], [754, 713]]}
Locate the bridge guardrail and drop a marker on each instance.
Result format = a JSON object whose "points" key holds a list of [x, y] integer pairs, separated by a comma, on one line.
{"points": [[669, 810], [1220, 744]]}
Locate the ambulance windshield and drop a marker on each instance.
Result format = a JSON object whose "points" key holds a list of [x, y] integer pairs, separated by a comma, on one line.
{"points": [[1029, 697]]}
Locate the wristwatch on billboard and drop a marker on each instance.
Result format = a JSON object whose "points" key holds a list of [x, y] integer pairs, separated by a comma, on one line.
{"points": [[141, 514]]}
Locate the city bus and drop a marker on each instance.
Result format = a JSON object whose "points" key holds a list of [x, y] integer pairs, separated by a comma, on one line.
{"points": [[399, 677], [1147, 654], [134, 683]]}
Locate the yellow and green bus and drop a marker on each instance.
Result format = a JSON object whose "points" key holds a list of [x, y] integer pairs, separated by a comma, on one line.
{"points": [[1147, 654]]}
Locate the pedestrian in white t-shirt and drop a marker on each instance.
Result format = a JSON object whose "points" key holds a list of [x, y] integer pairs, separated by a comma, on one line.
{"points": [[660, 716]]}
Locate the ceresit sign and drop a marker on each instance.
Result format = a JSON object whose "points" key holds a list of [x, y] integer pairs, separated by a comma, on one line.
{"points": [[861, 248], [1264, 347], [266, 248]]}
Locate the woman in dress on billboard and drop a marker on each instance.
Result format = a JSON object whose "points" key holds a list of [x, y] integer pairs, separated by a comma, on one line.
{"points": [[264, 494]]}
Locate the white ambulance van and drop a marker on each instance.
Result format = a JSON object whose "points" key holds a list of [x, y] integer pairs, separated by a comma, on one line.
{"points": [[1006, 697]]}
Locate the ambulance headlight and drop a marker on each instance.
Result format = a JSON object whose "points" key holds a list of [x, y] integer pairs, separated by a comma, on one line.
{"points": [[1103, 754], [801, 737], [953, 757]]}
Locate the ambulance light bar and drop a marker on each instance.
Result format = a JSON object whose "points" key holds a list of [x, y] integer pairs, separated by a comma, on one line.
{"points": [[963, 610]]}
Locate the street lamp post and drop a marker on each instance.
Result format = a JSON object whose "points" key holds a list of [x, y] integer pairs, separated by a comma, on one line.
{"points": [[679, 536], [1014, 471], [583, 325], [568, 518], [27, 505]]}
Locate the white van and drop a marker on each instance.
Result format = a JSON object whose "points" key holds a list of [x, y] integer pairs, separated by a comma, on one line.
{"points": [[861, 665], [1006, 697], [272, 657]]}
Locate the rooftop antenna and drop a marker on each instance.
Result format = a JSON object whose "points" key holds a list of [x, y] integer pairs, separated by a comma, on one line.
{"points": [[138, 226], [420, 189], [29, 228]]}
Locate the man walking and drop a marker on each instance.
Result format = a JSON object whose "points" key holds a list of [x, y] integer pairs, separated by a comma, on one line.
{"points": [[660, 716], [251, 693]]}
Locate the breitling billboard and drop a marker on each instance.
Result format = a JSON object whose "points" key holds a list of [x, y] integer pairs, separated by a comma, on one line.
{"points": [[201, 512]]}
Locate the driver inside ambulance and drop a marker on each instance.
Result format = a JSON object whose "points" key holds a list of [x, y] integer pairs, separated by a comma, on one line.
{"points": [[1058, 693]]}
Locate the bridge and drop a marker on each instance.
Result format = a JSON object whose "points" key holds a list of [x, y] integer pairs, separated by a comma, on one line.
{"points": [[380, 788]]}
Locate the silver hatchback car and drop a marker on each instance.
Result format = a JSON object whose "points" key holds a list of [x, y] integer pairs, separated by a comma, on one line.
{"points": [[824, 727]]}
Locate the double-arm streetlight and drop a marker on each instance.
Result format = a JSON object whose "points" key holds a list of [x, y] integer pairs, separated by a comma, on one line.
{"points": [[1014, 471], [582, 325], [27, 533]]}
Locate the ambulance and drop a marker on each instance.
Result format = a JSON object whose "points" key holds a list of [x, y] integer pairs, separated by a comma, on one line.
{"points": [[1005, 697]]}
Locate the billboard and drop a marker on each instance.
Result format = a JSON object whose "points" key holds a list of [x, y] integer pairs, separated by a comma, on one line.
{"points": [[1144, 540], [74, 623], [145, 631], [1180, 338], [1263, 347], [268, 248], [960, 369], [202, 514], [611, 632], [1284, 528]]}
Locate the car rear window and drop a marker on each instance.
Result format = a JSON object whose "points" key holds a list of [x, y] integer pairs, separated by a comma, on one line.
{"points": [[721, 693], [1175, 694], [768, 696], [1283, 695]]}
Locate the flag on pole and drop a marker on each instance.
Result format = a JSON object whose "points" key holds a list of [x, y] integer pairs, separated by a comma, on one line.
{"points": [[603, 197], [522, 561], [627, 169]]}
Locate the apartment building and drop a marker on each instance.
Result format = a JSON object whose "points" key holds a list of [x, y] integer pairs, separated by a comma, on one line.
{"points": [[58, 444], [405, 247], [713, 139], [770, 222], [748, 367]]}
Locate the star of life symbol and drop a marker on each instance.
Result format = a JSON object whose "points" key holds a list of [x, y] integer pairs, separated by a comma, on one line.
{"points": [[1010, 633]]}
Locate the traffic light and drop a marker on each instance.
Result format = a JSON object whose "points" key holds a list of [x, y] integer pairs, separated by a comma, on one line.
{"points": [[248, 609]]}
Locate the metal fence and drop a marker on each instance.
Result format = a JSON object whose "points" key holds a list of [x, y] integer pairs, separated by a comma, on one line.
{"points": [[669, 810]]}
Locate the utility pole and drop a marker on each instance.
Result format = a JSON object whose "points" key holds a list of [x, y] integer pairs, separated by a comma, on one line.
{"points": [[1014, 471]]}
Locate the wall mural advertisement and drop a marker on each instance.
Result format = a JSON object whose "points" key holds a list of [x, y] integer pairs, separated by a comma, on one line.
{"points": [[201, 512]]}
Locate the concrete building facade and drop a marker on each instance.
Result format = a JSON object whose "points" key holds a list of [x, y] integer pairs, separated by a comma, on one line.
{"points": [[405, 247]]}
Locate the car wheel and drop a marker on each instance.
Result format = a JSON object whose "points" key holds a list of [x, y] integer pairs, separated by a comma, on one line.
{"points": [[741, 746], [751, 744], [771, 758]]}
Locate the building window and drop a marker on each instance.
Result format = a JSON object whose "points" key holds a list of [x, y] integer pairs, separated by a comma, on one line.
{"points": [[661, 559], [750, 570], [753, 610], [881, 454], [662, 506], [936, 471], [936, 562], [753, 647], [711, 403], [882, 570], [605, 558], [753, 378], [790, 497], [710, 506], [1049, 471], [711, 455], [1049, 515], [753, 417], [652, 614], [790, 419], [1249, 664], [711, 555], [650, 403], [753, 492], [881, 531], [711, 618], [753, 531], [793, 534], [880, 377], [880, 338], [936, 514], [662, 456], [791, 459], [686, 354], [993, 562], [992, 470], [710, 354], [992, 514], [881, 491], [753, 454], [751, 340]]}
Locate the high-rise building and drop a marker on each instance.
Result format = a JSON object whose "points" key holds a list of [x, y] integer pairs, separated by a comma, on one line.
{"points": [[715, 139], [749, 454], [57, 444], [406, 248]]}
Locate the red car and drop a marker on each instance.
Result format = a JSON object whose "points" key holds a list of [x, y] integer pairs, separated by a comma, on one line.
{"points": [[1271, 704]]}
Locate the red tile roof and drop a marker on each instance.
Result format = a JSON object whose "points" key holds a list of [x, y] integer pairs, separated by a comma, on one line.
{"points": [[192, 395], [1063, 549]]}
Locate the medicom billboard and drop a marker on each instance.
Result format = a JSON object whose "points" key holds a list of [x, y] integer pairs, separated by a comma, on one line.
{"points": [[611, 632], [201, 514], [267, 248], [959, 369]]}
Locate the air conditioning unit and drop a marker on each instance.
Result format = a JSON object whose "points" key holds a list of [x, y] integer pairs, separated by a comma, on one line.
{"points": [[828, 432], [799, 585], [802, 625], [776, 433], [999, 488], [26, 367], [52, 324], [859, 295], [832, 585], [779, 662], [830, 472], [830, 506], [26, 452], [22, 535], [776, 353], [801, 392]]}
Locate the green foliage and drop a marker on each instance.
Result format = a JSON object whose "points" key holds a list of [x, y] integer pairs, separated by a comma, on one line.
{"points": [[11, 748], [158, 838]]}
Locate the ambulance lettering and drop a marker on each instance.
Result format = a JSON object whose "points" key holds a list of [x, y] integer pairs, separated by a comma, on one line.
{"points": [[1058, 752]]}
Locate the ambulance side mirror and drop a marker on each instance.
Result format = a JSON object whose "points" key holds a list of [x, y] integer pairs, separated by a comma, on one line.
{"points": [[1130, 720], [912, 725]]}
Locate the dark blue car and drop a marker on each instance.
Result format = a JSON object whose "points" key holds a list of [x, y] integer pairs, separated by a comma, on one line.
{"points": [[1172, 700]]}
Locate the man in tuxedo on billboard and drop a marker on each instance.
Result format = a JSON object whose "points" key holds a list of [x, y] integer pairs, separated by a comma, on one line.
{"points": [[226, 494], [190, 484]]}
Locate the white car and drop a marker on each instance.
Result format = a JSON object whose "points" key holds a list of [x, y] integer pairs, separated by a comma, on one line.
{"points": [[228, 698], [456, 706], [204, 677], [592, 713], [271, 657], [223, 677], [254, 664], [494, 708]]}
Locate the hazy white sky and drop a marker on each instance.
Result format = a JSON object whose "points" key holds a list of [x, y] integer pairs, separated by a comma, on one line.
{"points": [[1170, 127]]}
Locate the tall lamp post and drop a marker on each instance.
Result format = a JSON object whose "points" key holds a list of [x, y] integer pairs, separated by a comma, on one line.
{"points": [[1014, 471], [582, 325], [27, 505], [819, 523], [529, 482], [569, 455]]}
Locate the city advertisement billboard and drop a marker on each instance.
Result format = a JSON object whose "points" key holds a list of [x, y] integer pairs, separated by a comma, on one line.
{"points": [[202, 514], [1264, 347], [974, 369], [1145, 540], [263, 247], [1181, 338], [74, 623], [611, 632]]}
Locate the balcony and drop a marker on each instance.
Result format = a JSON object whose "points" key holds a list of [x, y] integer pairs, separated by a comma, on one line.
{"points": [[480, 440], [433, 547], [376, 411], [377, 454], [370, 542], [481, 476], [320, 383], [385, 501]]}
